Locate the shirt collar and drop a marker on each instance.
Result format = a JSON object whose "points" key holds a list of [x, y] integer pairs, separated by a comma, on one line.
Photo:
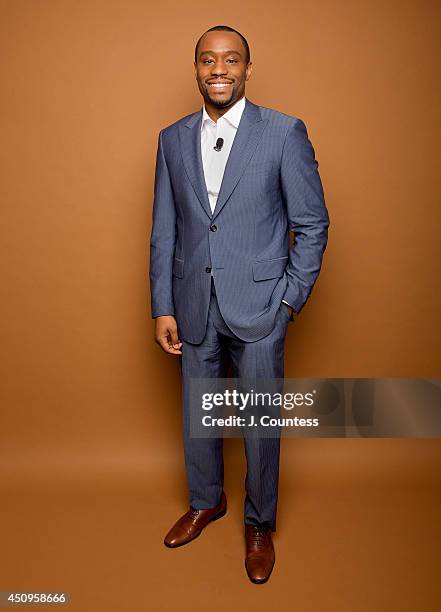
{"points": [[233, 114]]}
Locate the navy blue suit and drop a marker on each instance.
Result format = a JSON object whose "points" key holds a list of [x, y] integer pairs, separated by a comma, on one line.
{"points": [[223, 275]]}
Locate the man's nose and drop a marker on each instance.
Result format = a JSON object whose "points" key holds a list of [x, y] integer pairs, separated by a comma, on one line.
{"points": [[219, 68]]}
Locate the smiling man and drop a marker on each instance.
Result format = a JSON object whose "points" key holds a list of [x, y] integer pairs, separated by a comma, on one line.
{"points": [[232, 180]]}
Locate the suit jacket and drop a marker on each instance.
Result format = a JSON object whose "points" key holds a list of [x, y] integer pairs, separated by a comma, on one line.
{"points": [[270, 185]]}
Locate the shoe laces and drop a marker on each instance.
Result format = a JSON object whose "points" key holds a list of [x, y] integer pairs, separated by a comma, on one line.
{"points": [[193, 513], [258, 535]]}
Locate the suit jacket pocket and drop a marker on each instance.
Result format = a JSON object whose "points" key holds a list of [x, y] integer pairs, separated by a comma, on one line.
{"points": [[269, 268], [178, 267]]}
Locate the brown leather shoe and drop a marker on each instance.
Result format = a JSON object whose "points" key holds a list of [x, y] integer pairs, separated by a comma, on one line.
{"points": [[260, 556], [191, 524]]}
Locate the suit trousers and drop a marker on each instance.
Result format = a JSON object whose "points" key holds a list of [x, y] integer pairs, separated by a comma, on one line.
{"points": [[263, 358]]}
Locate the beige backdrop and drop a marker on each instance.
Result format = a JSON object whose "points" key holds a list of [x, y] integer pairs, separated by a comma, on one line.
{"points": [[86, 395]]}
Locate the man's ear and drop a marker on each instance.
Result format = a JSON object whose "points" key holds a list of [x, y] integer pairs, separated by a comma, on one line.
{"points": [[195, 70], [248, 71]]}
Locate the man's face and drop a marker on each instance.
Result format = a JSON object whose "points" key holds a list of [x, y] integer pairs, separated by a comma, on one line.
{"points": [[221, 69]]}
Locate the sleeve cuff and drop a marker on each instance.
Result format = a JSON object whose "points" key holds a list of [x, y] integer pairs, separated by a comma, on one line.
{"points": [[293, 313]]}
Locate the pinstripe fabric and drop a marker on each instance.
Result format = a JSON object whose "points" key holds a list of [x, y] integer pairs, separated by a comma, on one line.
{"points": [[203, 456], [271, 184]]}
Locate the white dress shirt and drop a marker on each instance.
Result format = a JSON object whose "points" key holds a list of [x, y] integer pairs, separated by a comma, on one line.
{"points": [[214, 162]]}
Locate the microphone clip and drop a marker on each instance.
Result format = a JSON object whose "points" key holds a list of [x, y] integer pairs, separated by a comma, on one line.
{"points": [[219, 144]]}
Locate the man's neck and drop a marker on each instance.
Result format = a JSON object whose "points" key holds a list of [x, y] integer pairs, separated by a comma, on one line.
{"points": [[216, 113]]}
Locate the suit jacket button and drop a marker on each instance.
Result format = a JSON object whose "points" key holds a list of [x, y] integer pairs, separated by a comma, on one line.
{"points": [[207, 269], [213, 228]]}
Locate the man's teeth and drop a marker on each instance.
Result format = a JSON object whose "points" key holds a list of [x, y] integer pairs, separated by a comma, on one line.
{"points": [[218, 84]]}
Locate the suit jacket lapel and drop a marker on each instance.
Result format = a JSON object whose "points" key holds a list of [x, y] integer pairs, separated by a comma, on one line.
{"points": [[245, 142], [247, 137], [190, 139]]}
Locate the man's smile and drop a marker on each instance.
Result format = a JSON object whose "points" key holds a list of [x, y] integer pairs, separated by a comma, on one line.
{"points": [[219, 85]]}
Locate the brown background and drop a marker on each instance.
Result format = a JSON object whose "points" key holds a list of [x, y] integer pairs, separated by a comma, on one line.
{"points": [[91, 458]]}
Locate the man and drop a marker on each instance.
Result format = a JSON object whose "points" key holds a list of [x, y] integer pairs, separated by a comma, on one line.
{"points": [[231, 181]]}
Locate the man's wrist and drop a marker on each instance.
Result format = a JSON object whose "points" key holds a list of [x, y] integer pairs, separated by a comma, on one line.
{"points": [[291, 310]]}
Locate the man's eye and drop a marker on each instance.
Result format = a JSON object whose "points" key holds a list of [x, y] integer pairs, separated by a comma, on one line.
{"points": [[233, 60]]}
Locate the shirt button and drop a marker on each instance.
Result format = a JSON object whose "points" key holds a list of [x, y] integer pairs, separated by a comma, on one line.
{"points": [[207, 269], [213, 228]]}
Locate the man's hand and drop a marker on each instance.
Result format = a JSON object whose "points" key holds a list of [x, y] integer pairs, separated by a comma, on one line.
{"points": [[166, 334], [291, 310]]}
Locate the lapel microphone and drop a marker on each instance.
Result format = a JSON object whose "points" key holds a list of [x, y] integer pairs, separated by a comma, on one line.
{"points": [[219, 144]]}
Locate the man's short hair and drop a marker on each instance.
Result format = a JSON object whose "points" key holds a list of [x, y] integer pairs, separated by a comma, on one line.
{"points": [[225, 28]]}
